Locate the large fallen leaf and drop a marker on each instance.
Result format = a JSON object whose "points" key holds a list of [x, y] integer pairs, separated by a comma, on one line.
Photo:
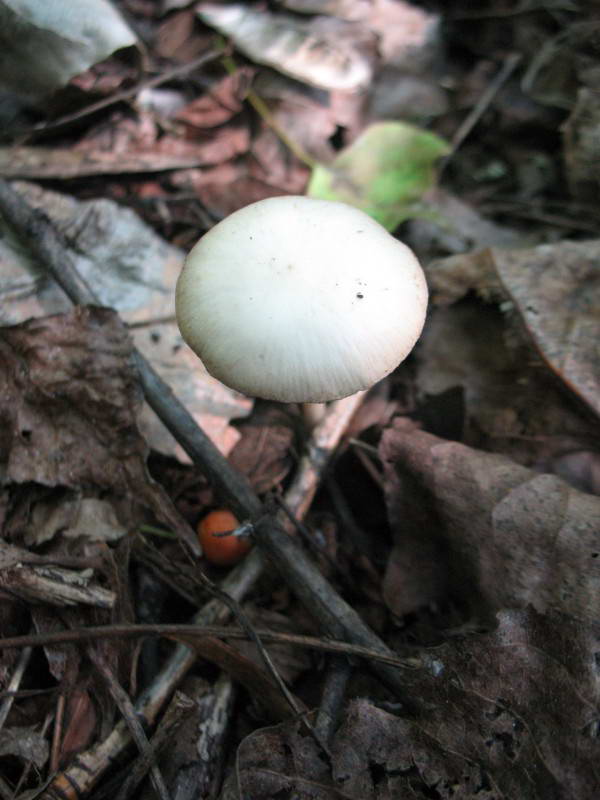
{"points": [[480, 384], [43, 45], [499, 534], [326, 53], [385, 172], [554, 288], [509, 714]]}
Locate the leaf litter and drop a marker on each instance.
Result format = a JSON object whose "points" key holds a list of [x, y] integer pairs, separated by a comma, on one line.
{"points": [[474, 471]]}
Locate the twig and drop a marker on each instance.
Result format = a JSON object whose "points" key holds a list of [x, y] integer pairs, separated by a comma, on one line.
{"points": [[179, 708], [127, 709], [57, 733], [199, 631], [118, 97], [338, 674], [215, 717], [14, 684], [482, 104]]}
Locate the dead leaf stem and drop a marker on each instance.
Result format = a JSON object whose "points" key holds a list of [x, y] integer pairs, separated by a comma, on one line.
{"points": [[178, 632]]}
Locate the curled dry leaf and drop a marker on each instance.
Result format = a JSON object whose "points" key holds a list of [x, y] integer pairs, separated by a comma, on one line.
{"points": [[554, 289], [326, 53], [344, 9], [502, 535], [509, 714], [220, 102], [81, 720], [507, 400]]}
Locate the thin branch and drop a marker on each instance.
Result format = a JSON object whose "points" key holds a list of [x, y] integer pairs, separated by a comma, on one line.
{"points": [[118, 97], [508, 67], [217, 631], [179, 708], [14, 684], [127, 710]]}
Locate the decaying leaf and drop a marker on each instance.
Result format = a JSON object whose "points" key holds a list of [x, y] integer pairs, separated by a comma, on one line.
{"points": [[344, 9], [43, 45], [289, 661], [326, 53], [264, 452], [25, 743], [221, 102], [192, 759], [581, 146], [508, 714], [259, 683], [554, 288], [69, 415], [385, 172], [80, 722], [481, 384], [502, 535]]}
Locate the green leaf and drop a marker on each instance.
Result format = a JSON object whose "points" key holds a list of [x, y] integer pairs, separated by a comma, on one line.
{"points": [[385, 172]]}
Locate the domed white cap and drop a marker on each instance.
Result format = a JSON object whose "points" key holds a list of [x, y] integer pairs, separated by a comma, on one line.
{"points": [[300, 300]]}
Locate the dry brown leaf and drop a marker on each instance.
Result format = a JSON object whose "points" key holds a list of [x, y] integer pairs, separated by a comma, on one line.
{"points": [[555, 290], [255, 679], [71, 398], [325, 52], [178, 39], [80, 723], [510, 714], [509, 402], [263, 453], [221, 102], [64, 660], [289, 661], [502, 535]]}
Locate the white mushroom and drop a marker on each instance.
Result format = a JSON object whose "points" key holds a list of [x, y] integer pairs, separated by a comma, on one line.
{"points": [[300, 300]]}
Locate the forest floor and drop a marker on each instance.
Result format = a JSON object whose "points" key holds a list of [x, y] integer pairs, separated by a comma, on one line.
{"points": [[418, 614]]}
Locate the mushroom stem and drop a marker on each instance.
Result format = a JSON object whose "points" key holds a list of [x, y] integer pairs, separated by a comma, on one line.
{"points": [[313, 413]]}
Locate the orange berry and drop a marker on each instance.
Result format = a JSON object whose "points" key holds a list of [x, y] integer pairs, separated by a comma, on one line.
{"points": [[221, 550]]}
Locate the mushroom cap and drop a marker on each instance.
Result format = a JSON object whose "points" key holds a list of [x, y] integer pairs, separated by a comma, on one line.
{"points": [[300, 300]]}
